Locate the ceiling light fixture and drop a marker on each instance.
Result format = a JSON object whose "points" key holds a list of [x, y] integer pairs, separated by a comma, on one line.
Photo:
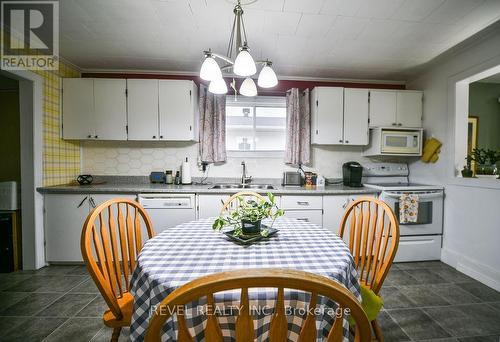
{"points": [[244, 64]]}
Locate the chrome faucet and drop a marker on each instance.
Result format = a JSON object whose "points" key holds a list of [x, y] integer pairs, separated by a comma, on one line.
{"points": [[244, 178]]}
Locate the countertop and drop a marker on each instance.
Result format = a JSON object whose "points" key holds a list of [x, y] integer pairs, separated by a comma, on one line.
{"points": [[135, 187]]}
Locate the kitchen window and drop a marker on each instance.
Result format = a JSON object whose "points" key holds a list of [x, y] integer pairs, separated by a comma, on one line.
{"points": [[255, 124]]}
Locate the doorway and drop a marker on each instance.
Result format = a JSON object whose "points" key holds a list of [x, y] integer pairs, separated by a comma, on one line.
{"points": [[30, 95]]}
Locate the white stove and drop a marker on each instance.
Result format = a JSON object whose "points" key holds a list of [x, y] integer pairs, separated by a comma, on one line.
{"points": [[420, 240]]}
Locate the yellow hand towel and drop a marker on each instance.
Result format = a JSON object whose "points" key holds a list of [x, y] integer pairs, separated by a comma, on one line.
{"points": [[431, 147]]}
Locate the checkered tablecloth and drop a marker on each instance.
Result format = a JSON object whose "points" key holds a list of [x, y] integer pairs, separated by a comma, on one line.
{"points": [[191, 250]]}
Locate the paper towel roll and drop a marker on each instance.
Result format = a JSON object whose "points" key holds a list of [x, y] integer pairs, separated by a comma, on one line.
{"points": [[186, 172]]}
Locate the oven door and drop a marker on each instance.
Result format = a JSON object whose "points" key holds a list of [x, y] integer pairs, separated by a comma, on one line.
{"points": [[430, 212]]}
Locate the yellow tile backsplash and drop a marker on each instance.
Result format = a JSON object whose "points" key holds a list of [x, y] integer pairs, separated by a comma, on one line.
{"points": [[61, 159]]}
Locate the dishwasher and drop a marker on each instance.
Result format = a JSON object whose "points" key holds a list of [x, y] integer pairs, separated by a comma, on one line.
{"points": [[168, 210]]}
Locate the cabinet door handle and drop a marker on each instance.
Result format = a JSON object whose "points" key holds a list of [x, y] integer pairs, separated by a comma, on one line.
{"points": [[303, 219], [302, 203], [317, 132], [161, 136], [89, 136], [394, 124], [96, 136], [347, 141], [83, 201], [400, 124], [341, 140], [154, 136]]}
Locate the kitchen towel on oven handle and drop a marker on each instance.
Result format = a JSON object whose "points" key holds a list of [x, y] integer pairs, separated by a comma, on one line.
{"points": [[408, 208]]}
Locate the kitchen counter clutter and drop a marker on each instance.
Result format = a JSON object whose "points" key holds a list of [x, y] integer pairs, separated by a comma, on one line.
{"points": [[110, 188], [67, 206]]}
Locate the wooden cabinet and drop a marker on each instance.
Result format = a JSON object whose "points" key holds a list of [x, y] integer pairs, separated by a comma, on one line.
{"points": [[64, 217], [327, 112], [94, 109], [304, 208], [334, 207], [106, 109], [339, 116], [391, 108], [178, 110], [355, 117], [142, 109], [409, 108], [210, 205], [78, 108], [110, 109]]}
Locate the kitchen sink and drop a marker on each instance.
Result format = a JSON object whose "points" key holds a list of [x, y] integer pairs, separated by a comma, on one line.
{"points": [[243, 186]]}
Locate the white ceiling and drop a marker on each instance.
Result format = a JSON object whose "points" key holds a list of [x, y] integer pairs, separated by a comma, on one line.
{"points": [[379, 39]]}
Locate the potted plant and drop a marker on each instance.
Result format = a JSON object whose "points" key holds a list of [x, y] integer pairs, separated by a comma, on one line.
{"points": [[486, 160], [247, 218], [467, 170]]}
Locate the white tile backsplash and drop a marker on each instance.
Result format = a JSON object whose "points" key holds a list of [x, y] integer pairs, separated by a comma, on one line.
{"points": [[140, 158]]}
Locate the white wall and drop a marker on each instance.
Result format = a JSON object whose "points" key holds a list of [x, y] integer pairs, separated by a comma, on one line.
{"points": [[472, 207], [140, 158]]}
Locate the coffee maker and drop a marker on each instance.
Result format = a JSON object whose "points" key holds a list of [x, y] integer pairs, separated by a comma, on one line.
{"points": [[352, 173]]}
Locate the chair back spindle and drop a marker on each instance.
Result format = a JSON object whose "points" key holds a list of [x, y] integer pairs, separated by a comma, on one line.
{"points": [[260, 278], [373, 232]]}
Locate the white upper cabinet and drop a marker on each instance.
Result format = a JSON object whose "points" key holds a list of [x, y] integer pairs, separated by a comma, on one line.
{"points": [[356, 116], [142, 109], [409, 108], [339, 116], [178, 108], [327, 115], [383, 104], [78, 108], [391, 108], [94, 109], [110, 109]]}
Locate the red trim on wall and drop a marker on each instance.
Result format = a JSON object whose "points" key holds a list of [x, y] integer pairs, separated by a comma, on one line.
{"points": [[279, 90]]}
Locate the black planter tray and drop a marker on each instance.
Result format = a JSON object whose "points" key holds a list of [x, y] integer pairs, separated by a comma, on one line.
{"points": [[248, 239]]}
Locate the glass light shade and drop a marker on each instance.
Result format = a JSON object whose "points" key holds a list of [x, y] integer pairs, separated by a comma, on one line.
{"points": [[210, 69], [267, 77], [248, 87], [218, 86], [244, 64]]}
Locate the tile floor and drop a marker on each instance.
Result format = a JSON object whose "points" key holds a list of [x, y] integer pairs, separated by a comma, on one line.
{"points": [[426, 301]]}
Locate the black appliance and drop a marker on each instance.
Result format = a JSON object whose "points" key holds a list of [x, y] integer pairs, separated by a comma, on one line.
{"points": [[7, 257], [352, 172]]}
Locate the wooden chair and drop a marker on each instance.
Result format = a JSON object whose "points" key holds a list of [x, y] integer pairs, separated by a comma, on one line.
{"points": [[373, 241], [115, 240], [261, 278], [232, 201]]}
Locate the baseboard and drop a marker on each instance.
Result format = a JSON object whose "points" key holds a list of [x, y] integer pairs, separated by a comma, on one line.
{"points": [[473, 268]]}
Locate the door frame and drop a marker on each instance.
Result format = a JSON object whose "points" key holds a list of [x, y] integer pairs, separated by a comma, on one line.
{"points": [[31, 126]]}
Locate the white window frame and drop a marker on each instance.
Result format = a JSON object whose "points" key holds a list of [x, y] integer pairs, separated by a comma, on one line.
{"points": [[257, 101]]}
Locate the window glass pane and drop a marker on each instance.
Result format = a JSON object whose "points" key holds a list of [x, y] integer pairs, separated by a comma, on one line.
{"points": [[257, 125]]}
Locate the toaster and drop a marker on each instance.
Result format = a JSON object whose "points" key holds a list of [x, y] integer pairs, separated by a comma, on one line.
{"points": [[292, 178]]}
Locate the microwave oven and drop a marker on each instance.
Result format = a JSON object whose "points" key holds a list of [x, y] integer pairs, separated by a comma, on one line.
{"points": [[395, 142]]}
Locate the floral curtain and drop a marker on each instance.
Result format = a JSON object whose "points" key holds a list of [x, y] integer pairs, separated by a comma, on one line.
{"points": [[298, 127], [212, 126]]}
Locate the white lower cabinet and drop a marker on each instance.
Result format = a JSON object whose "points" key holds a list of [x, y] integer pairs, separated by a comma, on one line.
{"points": [[64, 217], [334, 207], [313, 216], [304, 208], [210, 205]]}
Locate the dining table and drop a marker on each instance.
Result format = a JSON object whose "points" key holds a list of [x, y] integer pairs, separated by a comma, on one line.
{"points": [[193, 249]]}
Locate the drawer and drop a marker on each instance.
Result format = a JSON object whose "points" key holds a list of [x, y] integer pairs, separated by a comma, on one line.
{"points": [[313, 216], [419, 248], [302, 202]]}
